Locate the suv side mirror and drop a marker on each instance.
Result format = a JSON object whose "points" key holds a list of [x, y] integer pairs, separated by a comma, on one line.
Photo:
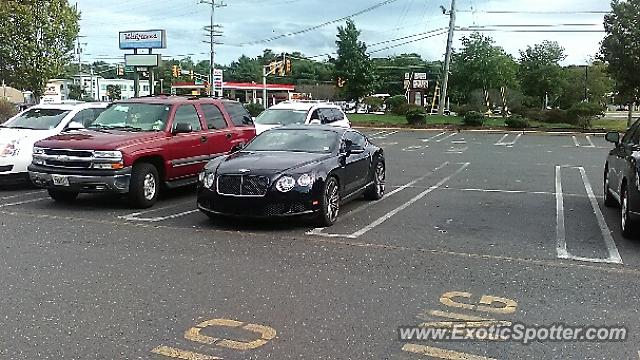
{"points": [[613, 137], [182, 128], [74, 125]]}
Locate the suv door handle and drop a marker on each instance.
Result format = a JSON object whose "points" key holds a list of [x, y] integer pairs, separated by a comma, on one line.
{"points": [[203, 139], [229, 135]]}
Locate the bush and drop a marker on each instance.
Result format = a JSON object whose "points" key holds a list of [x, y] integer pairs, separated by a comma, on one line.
{"points": [[254, 109], [7, 110], [473, 118], [374, 104], [533, 114], [416, 115], [556, 116], [517, 122], [583, 113], [463, 110], [397, 104]]}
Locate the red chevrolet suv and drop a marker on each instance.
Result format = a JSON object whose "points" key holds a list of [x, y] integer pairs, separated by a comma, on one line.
{"points": [[137, 146]]}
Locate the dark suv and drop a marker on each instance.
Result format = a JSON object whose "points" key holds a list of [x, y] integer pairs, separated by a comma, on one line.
{"points": [[137, 145]]}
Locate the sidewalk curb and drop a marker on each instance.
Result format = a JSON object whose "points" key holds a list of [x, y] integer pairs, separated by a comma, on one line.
{"points": [[487, 131]]}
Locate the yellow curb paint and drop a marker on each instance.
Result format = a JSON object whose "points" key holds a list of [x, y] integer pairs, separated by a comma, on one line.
{"points": [[441, 353], [182, 354]]}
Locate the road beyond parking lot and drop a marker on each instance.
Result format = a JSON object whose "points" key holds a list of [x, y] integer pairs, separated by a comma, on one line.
{"points": [[475, 228]]}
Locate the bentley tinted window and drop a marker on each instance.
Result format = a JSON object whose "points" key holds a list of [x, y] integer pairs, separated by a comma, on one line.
{"points": [[316, 141]]}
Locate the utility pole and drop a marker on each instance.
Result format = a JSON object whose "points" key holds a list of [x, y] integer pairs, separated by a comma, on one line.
{"points": [[447, 59], [213, 32]]}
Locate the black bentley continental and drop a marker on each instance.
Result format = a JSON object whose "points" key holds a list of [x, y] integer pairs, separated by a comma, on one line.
{"points": [[291, 171]]}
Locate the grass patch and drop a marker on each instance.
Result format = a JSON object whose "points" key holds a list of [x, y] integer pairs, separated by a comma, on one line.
{"points": [[494, 122]]}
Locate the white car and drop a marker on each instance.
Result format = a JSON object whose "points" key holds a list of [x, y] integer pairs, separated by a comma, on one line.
{"points": [[18, 134], [301, 113]]}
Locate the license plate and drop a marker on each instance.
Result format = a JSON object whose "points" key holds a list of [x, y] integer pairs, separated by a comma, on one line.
{"points": [[60, 180]]}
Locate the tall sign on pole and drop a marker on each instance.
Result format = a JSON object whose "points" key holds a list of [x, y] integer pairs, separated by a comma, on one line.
{"points": [[447, 59], [143, 39]]}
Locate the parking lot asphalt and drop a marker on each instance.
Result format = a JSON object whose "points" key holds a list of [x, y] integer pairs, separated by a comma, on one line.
{"points": [[514, 216]]}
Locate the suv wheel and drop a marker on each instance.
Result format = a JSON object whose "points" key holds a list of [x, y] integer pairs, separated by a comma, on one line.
{"points": [[144, 186], [62, 196]]}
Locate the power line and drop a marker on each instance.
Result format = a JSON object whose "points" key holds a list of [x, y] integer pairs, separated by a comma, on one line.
{"points": [[316, 27], [594, 12]]}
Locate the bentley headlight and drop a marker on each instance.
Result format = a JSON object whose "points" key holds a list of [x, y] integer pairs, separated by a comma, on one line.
{"points": [[305, 180], [208, 180], [285, 184]]}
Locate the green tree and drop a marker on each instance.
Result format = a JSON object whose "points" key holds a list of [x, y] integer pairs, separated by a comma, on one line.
{"points": [[353, 64], [114, 92], [75, 93], [37, 38], [593, 78], [480, 64], [621, 48], [540, 70]]}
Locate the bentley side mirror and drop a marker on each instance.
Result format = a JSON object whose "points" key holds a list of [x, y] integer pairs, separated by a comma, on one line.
{"points": [[182, 128], [613, 137]]}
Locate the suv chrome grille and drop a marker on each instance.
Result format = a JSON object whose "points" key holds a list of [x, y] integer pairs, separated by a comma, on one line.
{"points": [[67, 159], [243, 185]]}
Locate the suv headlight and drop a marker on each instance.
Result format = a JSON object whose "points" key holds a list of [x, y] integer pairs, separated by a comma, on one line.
{"points": [[285, 184], [38, 151], [108, 160], [107, 154], [10, 149]]}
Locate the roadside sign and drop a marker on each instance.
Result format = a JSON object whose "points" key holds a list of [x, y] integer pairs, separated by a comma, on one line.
{"points": [[143, 39], [128, 69], [146, 60]]}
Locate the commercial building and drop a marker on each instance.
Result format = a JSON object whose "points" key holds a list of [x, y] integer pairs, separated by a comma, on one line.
{"points": [[95, 87]]}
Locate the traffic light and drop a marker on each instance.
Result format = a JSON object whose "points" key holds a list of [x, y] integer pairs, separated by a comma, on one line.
{"points": [[191, 74], [287, 66], [120, 70], [272, 68], [341, 82], [281, 69], [176, 71]]}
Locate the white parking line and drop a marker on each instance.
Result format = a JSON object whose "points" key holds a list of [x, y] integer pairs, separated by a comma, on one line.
{"points": [[24, 202], [446, 137], [391, 213], [614, 255], [591, 144], [502, 142], [433, 137], [22, 194], [159, 218], [575, 141], [455, 150], [561, 243], [378, 133], [136, 216], [403, 187]]}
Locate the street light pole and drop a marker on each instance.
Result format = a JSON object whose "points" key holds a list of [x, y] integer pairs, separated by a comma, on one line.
{"points": [[447, 59]]}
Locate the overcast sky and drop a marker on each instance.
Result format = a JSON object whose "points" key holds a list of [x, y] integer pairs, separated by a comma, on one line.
{"points": [[246, 21]]}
